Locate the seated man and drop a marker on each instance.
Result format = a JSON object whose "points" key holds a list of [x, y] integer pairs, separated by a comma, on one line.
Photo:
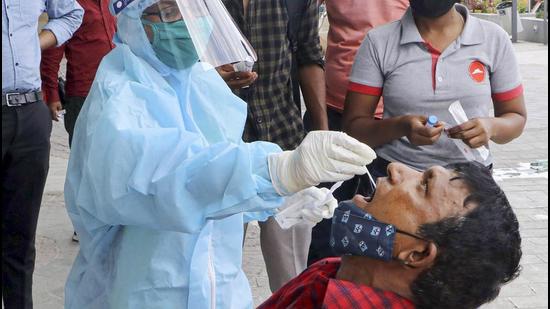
{"points": [[445, 238]]}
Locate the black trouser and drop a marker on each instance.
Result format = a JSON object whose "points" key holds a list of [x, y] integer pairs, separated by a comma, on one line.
{"points": [[320, 248], [25, 160], [72, 106]]}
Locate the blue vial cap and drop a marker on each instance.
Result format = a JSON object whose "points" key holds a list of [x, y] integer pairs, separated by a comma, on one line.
{"points": [[432, 120]]}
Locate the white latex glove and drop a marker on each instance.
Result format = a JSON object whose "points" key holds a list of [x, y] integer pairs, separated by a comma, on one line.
{"points": [[308, 206], [323, 156]]}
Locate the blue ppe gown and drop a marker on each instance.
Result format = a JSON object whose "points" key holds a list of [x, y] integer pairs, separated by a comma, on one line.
{"points": [[159, 185]]}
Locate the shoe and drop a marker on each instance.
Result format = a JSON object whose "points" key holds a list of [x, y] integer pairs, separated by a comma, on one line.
{"points": [[75, 237]]}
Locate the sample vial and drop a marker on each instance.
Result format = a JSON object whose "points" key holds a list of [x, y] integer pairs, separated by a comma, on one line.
{"points": [[432, 121]]}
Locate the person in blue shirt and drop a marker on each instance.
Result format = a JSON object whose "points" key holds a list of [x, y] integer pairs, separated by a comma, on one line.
{"points": [[160, 182], [26, 127]]}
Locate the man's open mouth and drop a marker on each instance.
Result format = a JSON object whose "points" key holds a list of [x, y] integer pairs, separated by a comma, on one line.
{"points": [[371, 197]]}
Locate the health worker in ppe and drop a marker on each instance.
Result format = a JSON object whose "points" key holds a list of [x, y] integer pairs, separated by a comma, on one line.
{"points": [[159, 182]]}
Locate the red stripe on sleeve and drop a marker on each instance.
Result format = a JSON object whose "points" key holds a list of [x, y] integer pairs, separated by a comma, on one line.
{"points": [[508, 95], [364, 89]]}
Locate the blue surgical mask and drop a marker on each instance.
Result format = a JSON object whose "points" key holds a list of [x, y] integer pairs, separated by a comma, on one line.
{"points": [[356, 232], [172, 43]]}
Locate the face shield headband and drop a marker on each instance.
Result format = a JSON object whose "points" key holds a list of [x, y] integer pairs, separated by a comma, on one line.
{"points": [[215, 36], [356, 232]]}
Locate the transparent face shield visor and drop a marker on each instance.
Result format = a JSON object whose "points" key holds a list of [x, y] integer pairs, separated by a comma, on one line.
{"points": [[183, 32]]}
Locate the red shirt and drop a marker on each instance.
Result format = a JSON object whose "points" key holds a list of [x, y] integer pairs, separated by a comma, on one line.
{"points": [[350, 21], [84, 51], [317, 288]]}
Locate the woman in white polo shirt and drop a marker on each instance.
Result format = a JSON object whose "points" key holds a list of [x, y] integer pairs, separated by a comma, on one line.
{"points": [[435, 55]]}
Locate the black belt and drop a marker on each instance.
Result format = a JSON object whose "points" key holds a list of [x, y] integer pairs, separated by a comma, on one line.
{"points": [[18, 99]]}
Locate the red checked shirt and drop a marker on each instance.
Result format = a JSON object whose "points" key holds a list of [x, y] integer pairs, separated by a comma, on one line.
{"points": [[317, 288], [84, 51]]}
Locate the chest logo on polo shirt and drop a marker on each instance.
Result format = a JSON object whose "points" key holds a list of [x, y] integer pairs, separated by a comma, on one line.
{"points": [[477, 71]]}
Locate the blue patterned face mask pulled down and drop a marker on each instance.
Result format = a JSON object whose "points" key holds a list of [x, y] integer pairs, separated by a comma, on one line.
{"points": [[356, 232]]}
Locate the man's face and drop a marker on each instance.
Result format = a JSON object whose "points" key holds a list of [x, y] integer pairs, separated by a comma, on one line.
{"points": [[408, 199]]}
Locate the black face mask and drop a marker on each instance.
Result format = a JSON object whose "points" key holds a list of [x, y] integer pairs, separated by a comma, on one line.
{"points": [[431, 8]]}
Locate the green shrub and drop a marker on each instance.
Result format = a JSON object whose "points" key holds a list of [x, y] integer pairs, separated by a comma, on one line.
{"points": [[489, 6]]}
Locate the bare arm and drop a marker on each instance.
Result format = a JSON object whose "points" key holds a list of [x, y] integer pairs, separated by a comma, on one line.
{"points": [[359, 122], [510, 119], [236, 80], [49, 68], [64, 18], [47, 39], [311, 74], [312, 82]]}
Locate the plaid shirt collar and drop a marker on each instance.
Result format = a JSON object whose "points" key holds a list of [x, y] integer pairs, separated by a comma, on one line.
{"points": [[317, 288]]}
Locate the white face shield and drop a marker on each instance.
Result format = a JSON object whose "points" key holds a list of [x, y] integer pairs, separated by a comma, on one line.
{"points": [[185, 31], [226, 44]]}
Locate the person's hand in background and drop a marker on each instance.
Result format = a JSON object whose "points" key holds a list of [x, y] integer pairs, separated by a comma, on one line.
{"points": [[55, 108], [420, 134], [236, 80]]}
